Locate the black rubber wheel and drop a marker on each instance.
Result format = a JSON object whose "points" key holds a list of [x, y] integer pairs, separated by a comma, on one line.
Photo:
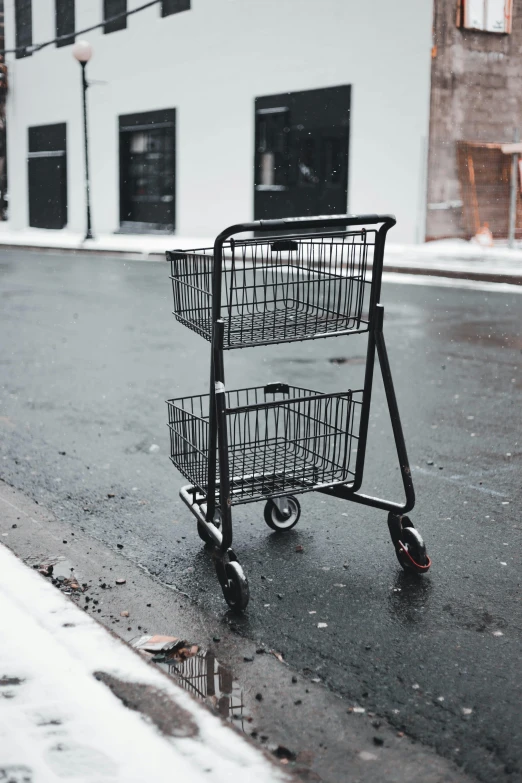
{"points": [[236, 590], [412, 541], [204, 534], [282, 522]]}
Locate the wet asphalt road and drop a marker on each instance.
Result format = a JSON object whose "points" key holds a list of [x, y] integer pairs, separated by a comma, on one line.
{"points": [[89, 351]]}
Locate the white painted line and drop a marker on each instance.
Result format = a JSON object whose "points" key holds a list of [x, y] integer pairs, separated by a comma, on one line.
{"points": [[451, 282]]}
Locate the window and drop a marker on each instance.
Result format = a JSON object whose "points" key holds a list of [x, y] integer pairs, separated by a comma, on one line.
{"points": [[272, 147], [23, 26], [148, 170], [47, 176], [333, 162], [491, 16], [307, 161], [114, 8], [301, 153], [169, 7], [65, 21]]}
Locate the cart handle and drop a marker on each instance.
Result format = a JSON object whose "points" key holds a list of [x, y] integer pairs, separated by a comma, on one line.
{"points": [[319, 221]]}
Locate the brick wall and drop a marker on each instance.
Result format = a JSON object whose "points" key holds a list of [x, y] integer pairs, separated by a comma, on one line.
{"points": [[476, 95]]}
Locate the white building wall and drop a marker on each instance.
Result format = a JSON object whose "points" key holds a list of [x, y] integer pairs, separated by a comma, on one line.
{"points": [[210, 64]]}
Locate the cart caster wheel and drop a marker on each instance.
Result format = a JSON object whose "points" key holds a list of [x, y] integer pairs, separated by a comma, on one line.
{"points": [[282, 522], [235, 589], [411, 551], [204, 534]]}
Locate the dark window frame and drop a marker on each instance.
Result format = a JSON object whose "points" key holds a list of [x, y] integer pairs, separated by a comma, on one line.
{"points": [[113, 8], [302, 152], [169, 7], [23, 27], [146, 121], [65, 21]]}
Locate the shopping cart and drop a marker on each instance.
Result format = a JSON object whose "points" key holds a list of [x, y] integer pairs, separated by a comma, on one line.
{"points": [[321, 278]]}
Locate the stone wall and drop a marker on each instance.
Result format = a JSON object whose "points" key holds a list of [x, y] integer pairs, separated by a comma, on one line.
{"points": [[476, 95]]}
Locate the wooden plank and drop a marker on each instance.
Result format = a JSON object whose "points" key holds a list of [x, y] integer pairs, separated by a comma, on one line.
{"points": [[511, 149]]}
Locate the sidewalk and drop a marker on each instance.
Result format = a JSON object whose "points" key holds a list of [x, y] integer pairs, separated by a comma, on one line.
{"points": [[78, 703], [141, 245], [457, 258], [453, 258]]}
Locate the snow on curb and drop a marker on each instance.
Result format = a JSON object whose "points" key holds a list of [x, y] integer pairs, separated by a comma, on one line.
{"points": [[438, 252], [456, 248], [57, 721], [141, 244]]}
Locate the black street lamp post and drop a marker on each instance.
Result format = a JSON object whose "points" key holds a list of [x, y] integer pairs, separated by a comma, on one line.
{"points": [[82, 51]]}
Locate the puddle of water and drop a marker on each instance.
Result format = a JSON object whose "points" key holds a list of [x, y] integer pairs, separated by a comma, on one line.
{"points": [[213, 683], [60, 571], [498, 335], [62, 567]]}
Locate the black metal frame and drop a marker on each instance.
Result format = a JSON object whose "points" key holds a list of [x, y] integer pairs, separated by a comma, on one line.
{"points": [[85, 86], [217, 521]]}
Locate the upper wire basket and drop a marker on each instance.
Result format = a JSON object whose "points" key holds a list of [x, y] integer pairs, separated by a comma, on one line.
{"points": [[277, 289]]}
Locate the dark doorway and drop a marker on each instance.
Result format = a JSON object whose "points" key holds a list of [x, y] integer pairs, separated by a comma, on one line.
{"points": [[301, 158], [148, 171], [47, 171]]}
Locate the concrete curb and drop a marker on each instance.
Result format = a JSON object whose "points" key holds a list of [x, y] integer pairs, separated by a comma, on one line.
{"points": [[479, 276], [79, 703]]}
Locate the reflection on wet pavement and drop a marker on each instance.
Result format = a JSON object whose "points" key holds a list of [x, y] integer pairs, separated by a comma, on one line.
{"points": [[409, 598], [212, 682]]}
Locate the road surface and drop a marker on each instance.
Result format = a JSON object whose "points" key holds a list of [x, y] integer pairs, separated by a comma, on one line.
{"points": [[90, 351]]}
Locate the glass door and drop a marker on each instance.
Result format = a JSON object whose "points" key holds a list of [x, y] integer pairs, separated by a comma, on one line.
{"points": [[147, 175], [301, 158]]}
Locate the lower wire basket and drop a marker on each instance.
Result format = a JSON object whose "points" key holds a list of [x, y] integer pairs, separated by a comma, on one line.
{"points": [[280, 439]]}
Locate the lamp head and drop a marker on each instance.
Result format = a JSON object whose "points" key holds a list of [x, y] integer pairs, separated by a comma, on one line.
{"points": [[82, 51]]}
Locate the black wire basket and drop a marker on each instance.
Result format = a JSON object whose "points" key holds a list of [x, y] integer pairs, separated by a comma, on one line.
{"points": [[276, 290], [280, 438]]}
